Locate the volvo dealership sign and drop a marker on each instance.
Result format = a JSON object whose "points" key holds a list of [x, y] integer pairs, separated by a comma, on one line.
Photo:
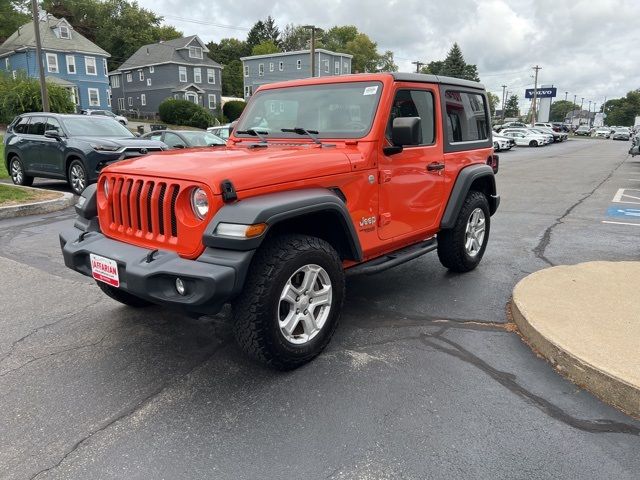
{"points": [[543, 92]]}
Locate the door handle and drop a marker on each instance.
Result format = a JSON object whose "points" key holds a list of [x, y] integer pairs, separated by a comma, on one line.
{"points": [[435, 167]]}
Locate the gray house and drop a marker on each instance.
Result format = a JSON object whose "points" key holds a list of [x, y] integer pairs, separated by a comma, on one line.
{"points": [[278, 67], [173, 69]]}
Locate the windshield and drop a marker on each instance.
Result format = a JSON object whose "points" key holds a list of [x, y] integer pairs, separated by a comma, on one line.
{"points": [[338, 110], [202, 139], [94, 127]]}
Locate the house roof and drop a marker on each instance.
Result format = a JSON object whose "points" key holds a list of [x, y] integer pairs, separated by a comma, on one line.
{"points": [[297, 52], [171, 51], [25, 37]]}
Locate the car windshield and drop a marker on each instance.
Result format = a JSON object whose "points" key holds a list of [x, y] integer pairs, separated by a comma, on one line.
{"points": [[94, 127], [202, 139], [338, 110]]}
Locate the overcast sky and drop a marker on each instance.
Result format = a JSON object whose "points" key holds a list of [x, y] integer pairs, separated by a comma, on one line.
{"points": [[588, 48]]}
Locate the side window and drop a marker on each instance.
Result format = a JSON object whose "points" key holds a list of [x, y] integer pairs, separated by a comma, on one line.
{"points": [[155, 136], [466, 117], [414, 103], [173, 140], [36, 127], [22, 125], [53, 124]]}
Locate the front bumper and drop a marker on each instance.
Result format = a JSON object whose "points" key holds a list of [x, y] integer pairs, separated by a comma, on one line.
{"points": [[209, 285]]}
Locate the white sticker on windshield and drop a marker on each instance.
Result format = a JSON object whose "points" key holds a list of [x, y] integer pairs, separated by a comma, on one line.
{"points": [[371, 90]]}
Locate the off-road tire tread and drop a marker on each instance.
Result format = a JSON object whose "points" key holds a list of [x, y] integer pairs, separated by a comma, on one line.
{"points": [[123, 297], [451, 241], [251, 332]]}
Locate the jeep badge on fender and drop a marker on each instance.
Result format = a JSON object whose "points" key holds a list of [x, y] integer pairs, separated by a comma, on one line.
{"points": [[330, 177]]}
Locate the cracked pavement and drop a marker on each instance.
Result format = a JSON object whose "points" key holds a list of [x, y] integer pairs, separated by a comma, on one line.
{"points": [[425, 377]]}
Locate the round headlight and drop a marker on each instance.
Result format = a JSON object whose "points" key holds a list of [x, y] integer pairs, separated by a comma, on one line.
{"points": [[199, 203]]}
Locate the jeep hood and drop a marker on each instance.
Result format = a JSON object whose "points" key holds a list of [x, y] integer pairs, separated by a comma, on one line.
{"points": [[247, 168]]}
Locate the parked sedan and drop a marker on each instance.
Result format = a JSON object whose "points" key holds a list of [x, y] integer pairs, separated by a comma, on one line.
{"points": [[546, 137], [583, 130], [622, 134], [526, 138], [68, 147], [500, 142], [108, 113], [222, 131], [185, 138], [602, 132]]}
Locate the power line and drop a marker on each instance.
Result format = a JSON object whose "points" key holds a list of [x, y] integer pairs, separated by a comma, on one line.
{"points": [[205, 22]]}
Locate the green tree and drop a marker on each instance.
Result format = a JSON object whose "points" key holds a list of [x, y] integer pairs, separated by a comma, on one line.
{"points": [[14, 13], [386, 62], [622, 111], [337, 38], [228, 50], [295, 37], [434, 68], [232, 79], [511, 109], [265, 48], [560, 109], [263, 31], [365, 54], [453, 65], [120, 27], [493, 101]]}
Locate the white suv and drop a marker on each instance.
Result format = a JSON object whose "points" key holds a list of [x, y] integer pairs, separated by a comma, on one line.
{"points": [[107, 113]]}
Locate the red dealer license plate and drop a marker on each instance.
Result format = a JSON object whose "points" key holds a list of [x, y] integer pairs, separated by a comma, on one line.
{"points": [[104, 270]]}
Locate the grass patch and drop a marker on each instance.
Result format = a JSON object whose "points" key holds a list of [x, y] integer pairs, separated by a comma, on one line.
{"points": [[3, 170], [10, 195]]}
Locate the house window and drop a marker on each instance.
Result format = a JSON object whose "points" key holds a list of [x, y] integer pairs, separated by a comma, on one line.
{"points": [[182, 74], [271, 66], [52, 63], [195, 52], [345, 67], [143, 99], [299, 64], [14, 74], [115, 81], [7, 65], [104, 66], [151, 70], [94, 97], [261, 69], [281, 66], [121, 104], [248, 91], [109, 97], [148, 82], [129, 77], [130, 101], [212, 102], [90, 65], [64, 32], [326, 66], [71, 64], [192, 97], [197, 75], [211, 75], [246, 70], [337, 68], [141, 75]]}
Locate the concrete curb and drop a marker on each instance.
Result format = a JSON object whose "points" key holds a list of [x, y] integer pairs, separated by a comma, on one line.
{"points": [[35, 208], [606, 386]]}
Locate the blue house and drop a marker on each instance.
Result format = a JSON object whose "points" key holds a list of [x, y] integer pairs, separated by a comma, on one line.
{"points": [[69, 60]]}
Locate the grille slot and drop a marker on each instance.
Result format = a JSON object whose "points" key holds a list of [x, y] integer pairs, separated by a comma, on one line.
{"points": [[163, 189], [149, 213], [174, 220]]}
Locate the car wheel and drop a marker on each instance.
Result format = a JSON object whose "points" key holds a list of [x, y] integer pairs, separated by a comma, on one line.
{"points": [[533, 143], [16, 170], [77, 177], [496, 146], [123, 297], [291, 303], [461, 248]]}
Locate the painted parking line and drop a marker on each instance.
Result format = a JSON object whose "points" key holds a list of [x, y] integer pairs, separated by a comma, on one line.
{"points": [[622, 223], [627, 195]]}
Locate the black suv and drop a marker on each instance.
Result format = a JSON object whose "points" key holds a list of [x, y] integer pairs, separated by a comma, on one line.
{"points": [[69, 147]]}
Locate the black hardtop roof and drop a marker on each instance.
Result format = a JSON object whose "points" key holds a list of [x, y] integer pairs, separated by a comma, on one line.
{"points": [[52, 114], [428, 78]]}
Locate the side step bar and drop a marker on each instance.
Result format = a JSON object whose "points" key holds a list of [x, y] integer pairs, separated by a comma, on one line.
{"points": [[393, 259]]}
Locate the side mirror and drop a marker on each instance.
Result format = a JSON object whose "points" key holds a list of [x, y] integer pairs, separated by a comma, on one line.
{"points": [[179, 145], [53, 134], [406, 131]]}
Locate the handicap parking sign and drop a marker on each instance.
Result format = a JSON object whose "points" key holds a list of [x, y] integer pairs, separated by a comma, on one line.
{"points": [[623, 212]]}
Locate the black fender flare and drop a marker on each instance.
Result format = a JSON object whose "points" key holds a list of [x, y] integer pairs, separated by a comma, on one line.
{"points": [[274, 208], [466, 178]]}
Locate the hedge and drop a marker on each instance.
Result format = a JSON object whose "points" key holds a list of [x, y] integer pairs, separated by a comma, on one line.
{"points": [[184, 112], [233, 109]]}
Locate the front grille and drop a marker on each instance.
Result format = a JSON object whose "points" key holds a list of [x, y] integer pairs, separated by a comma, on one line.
{"points": [[140, 208], [131, 152]]}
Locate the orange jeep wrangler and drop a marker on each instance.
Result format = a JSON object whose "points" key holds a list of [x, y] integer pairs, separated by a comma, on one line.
{"points": [[322, 178]]}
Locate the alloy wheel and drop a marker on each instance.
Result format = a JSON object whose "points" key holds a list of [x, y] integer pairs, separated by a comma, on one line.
{"points": [[474, 233], [17, 175], [78, 178]]}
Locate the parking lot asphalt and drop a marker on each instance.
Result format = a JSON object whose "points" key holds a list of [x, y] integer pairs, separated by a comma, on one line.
{"points": [[423, 379]]}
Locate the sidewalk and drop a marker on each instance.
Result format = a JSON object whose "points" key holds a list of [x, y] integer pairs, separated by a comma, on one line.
{"points": [[585, 319]]}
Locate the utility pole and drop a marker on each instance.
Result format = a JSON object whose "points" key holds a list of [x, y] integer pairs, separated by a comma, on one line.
{"points": [[313, 29], [36, 29], [565, 96], [504, 99], [604, 107], [535, 96], [418, 64], [581, 104], [589, 116], [573, 108]]}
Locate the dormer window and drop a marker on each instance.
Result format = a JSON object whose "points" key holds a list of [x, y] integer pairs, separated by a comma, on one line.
{"points": [[195, 52], [64, 32]]}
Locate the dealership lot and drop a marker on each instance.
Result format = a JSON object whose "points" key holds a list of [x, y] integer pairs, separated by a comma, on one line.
{"points": [[424, 378]]}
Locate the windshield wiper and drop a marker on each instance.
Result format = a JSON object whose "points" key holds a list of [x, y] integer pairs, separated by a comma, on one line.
{"points": [[255, 133], [303, 131]]}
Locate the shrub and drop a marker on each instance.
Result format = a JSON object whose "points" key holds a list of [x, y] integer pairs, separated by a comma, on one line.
{"points": [[22, 95], [184, 112], [233, 109]]}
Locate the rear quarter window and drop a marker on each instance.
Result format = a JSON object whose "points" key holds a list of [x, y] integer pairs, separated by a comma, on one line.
{"points": [[466, 119], [22, 125]]}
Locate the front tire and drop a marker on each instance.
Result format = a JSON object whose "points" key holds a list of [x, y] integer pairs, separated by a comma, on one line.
{"points": [[16, 170], [121, 296], [533, 143], [291, 303], [496, 147], [461, 248], [77, 177]]}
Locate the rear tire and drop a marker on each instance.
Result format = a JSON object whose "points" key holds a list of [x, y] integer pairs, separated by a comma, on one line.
{"points": [[123, 297], [290, 305], [461, 248], [496, 147], [533, 143], [16, 170]]}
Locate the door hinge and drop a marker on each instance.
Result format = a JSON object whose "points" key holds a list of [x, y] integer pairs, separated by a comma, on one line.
{"points": [[384, 176], [385, 219]]}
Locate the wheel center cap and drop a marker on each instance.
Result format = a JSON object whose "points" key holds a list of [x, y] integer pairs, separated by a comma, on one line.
{"points": [[304, 302]]}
